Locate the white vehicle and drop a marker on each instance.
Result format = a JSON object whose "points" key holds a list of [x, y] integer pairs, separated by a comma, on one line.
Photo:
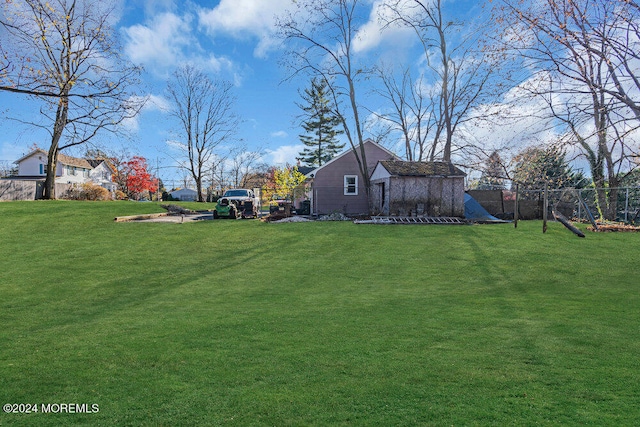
{"points": [[238, 203]]}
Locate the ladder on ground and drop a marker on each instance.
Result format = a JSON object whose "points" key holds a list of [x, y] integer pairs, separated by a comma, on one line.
{"points": [[416, 220]]}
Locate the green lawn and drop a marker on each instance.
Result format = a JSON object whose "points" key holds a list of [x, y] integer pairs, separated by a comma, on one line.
{"points": [[248, 323]]}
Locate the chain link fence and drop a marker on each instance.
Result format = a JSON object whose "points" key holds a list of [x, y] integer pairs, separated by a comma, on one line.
{"points": [[578, 204]]}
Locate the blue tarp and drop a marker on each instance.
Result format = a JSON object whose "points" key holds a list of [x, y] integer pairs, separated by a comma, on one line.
{"points": [[475, 212]]}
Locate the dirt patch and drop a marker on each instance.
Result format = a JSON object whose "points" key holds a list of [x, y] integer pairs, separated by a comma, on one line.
{"points": [[179, 219], [175, 214], [167, 218]]}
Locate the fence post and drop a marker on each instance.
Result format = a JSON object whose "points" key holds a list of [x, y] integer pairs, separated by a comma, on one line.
{"points": [[545, 207], [626, 207], [515, 208], [579, 206]]}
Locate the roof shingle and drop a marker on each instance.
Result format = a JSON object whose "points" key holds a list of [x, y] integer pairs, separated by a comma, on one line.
{"points": [[402, 168]]}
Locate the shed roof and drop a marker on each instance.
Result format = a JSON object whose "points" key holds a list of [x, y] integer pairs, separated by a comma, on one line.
{"points": [[402, 168]]}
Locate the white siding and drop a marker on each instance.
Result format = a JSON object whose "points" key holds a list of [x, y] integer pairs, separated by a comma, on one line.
{"points": [[101, 175], [31, 165], [35, 165], [72, 174], [379, 173]]}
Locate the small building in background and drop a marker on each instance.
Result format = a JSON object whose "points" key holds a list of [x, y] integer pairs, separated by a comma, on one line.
{"points": [[184, 194], [400, 188]]}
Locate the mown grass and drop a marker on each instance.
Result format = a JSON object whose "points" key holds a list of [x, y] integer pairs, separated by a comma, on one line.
{"points": [[247, 323]]}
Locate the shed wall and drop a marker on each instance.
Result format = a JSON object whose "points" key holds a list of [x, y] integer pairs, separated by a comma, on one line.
{"points": [[426, 196]]}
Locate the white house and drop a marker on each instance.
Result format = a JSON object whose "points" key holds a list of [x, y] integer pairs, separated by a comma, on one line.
{"points": [[102, 174], [184, 194], [69, 170]]}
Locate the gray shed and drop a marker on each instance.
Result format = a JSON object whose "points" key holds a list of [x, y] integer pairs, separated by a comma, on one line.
{"points": [[417, 188]]}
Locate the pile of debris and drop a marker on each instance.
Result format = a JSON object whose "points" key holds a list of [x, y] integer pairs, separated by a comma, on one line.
{"points": [[293, 219], [274, 217], [334, 217], [178, 210], [614, 227]]}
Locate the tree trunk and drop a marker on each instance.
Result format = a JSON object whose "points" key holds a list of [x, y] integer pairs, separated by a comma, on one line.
{"points": [[49, 191], [199, 189], [62, 114]]}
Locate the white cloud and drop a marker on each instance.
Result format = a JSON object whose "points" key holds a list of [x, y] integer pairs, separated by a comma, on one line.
{"points": [[154, 103], [152, 7], [285, 154], [175, 145], [168, 41], [216, 64], [239, 18], [279, 134], [157, 103], [373, 33], [159, 43]]}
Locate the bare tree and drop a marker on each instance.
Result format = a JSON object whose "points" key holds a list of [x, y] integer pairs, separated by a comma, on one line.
{"points": [[613, 29], [216, 173], [241, 165], [456, 65], [204, 109], [5, 168], [64, 52], [574, 48], [413, 112], [320, 35]]}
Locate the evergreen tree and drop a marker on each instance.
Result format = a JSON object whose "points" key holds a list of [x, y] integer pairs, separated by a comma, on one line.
{"points": [[493, 173], [320, 123]]}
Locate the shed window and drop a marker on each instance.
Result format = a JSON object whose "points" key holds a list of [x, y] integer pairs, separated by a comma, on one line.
{"points": [[351, 185]]}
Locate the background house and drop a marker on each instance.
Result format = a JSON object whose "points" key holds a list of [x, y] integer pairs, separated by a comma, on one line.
{"points": [[69, 170], [337, 185], [27, 183], [417, 188], [184, 194], [102, 174]]}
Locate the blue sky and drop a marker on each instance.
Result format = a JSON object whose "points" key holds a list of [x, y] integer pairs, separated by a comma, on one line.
{"points": [[229, 39]]}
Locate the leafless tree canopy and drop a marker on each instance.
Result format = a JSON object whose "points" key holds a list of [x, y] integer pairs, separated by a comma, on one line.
{"points": [[204, 110], [413, 111], [459, 71], [243, 164]]}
